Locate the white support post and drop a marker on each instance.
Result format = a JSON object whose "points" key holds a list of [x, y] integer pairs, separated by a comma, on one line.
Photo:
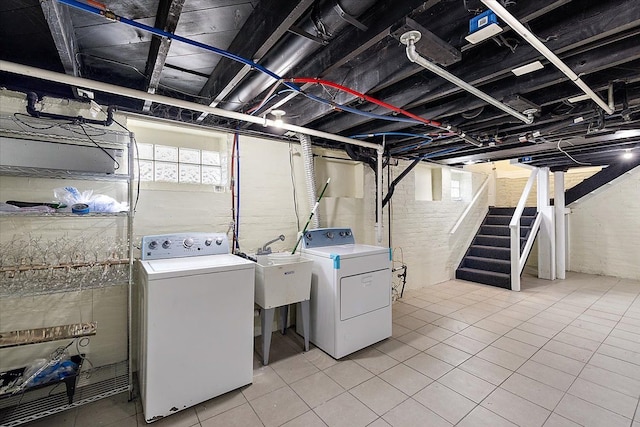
{"points": [[559, 208], [546, 236]]}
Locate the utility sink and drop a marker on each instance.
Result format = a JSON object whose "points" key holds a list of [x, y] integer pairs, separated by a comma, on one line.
{"points": [[282, 282]]}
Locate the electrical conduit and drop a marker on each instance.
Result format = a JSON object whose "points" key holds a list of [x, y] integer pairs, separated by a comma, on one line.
{"points": [[411, 37], [517, 26]]}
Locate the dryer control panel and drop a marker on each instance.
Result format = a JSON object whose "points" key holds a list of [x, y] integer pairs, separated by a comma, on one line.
{"points": [[163, 246], [320, 237]]}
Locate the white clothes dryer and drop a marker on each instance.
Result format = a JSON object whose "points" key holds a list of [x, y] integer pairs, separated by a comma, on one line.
{"points": [[350, 291]]}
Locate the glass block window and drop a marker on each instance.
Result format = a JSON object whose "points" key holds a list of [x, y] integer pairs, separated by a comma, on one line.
{"points": [[164, 163]]}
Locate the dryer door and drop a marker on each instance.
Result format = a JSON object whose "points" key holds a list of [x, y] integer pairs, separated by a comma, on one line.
{"points": [[363, 293]]}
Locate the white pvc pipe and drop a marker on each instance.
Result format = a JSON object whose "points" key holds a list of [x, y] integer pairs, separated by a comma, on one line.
{"points": [[415, 57], [517, 26], [25, 70]]}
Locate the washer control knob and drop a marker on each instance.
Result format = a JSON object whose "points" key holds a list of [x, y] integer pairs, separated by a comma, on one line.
{"points": [[343, 233], [166, 244], [153, 244], [330, 234], [208, 242], [188, 242], [348, 232], [219, 241]]}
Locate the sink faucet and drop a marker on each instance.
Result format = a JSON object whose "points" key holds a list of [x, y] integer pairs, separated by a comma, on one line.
{"points": [[265, 250]]}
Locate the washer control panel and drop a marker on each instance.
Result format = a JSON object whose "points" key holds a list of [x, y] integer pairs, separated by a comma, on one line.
{"points": [[320, 237], [162, 246]]}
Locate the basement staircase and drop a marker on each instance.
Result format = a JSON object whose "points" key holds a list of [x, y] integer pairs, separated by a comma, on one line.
{"points": [[488, 258]]}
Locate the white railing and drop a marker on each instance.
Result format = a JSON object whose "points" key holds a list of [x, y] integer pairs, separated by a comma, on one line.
{"points": [[517, 260], [464, 214]]}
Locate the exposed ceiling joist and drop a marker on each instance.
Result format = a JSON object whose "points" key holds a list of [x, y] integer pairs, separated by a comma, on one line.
{"points": [[62, 30], [485, 68], [262, 30], [167, 19]]}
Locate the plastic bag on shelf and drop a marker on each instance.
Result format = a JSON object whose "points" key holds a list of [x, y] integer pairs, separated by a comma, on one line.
{"points": [[95, 202], [42, 371]]}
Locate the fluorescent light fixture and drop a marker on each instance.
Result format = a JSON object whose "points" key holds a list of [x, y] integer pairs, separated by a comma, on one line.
{"points": [[528, 68], [484, 33], [627, 155], [278, 117]]}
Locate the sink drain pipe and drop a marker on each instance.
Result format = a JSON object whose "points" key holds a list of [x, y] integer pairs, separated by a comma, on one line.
{"points": [[309, 175]]}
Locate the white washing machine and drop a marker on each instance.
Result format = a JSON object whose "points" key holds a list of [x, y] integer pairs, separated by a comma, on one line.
{"points": [[350, 291], [196, 321]]}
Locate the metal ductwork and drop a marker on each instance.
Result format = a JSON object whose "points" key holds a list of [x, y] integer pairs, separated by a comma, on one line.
{"points": [[330, 18]]}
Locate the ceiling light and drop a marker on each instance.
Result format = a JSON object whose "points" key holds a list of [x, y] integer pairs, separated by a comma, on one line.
{"points": [[278, 117], [579, 98], [627, 154], [528, 68], [483, 34]]}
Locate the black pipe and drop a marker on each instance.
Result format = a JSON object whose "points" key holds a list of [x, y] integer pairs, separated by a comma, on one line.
{"points": [[32, 98], [399, 178]]}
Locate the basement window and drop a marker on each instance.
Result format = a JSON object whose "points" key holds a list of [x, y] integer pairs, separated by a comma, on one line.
{"points": [[165, 163]]}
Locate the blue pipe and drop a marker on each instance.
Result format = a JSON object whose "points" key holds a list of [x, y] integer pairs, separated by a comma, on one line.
{"points": [[371, 135], [437, 153], [110, 15]]}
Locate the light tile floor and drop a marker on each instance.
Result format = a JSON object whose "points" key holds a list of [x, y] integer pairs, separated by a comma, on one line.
{"points": [[562, 353]]}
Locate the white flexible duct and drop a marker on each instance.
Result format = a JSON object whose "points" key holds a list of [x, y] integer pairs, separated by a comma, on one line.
{"points": [[517, 26], [309, 176], [25, 70], [411, 37]]}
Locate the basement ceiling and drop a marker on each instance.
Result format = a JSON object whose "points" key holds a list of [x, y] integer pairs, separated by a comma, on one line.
{"points": [[355, 44]]}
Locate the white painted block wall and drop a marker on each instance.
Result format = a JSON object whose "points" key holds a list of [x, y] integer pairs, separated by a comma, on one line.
{"points": [[604, 230]]}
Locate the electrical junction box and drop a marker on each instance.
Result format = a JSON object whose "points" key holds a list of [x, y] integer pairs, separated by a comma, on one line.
{"points": [[483, 26]]}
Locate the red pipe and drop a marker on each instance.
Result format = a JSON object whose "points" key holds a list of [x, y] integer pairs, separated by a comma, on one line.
{"points": [[365, 97]]}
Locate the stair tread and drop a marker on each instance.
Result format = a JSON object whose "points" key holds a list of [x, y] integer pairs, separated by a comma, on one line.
{"points": [[497, 236], [485, 259], [487, 272], [491, 247]]}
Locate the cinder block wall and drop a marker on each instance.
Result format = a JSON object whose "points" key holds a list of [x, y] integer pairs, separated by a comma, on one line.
{"points": [[421, 229], [604, 230]]}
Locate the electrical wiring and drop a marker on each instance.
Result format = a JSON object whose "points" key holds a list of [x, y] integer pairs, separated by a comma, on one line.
{"points": [[232, 183], [100, 147], [17, 115], [569, 155], [366, 98], [137, 152], [293, 185]]}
